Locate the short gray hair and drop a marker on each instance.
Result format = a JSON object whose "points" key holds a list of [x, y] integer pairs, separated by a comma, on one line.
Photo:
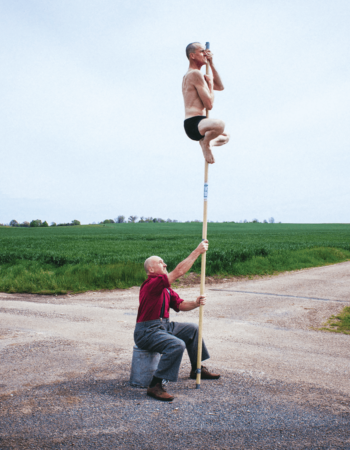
{"points": [[191, 48], [149, 262]]}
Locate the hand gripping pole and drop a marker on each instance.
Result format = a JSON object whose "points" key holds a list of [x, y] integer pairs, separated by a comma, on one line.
{"points": [[204, 259]]}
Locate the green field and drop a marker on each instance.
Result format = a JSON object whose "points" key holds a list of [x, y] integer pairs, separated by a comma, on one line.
{"points": [[61, 259]]}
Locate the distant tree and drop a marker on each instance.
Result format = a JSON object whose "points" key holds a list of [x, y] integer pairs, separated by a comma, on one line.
{"points": [[142, 219], [255, 221], [75, 222], [108, 221], [53, 224], [35, 223], [44, 224], [245, 221], [13, 223], [132, 219], [120, 219], [25, 224], [169, 220], [265, 221], [271, 220]]}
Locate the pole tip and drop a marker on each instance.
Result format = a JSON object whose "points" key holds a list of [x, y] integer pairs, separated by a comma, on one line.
{"points": [[198, 386], [207, 45]]}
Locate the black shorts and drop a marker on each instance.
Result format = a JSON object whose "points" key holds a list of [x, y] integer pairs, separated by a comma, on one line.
{"points": [[191, 127]]}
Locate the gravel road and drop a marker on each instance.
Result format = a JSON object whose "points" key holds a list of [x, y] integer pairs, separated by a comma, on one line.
{"points": [[65, 366]]}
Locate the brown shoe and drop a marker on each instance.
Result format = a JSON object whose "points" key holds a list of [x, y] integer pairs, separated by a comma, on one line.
{"points": [[159, 393], [205, 374]]}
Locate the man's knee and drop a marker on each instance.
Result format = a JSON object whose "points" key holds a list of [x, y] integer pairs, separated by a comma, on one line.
{"points": [[192, 330], [219, 126], [194, 327], [180, 346]]}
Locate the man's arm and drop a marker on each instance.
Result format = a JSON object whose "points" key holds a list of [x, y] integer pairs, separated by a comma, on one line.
{"points": [[204, 87], [188, 306], [218, 86], [187, 263]]}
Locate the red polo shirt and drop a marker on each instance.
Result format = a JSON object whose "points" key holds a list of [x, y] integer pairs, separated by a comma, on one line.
{"points": [[151, 298]]}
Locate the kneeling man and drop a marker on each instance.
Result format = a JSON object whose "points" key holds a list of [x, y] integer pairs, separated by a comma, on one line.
{"points": [[155, 333]]}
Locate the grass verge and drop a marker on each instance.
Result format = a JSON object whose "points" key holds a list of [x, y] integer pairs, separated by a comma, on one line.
{"points": [[36, 277], [339, 323], [277, 262]]}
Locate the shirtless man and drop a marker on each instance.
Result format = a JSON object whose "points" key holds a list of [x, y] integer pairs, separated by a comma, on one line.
{"points": [[198, 92]]}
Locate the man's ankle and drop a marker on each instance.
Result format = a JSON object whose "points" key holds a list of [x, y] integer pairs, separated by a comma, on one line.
{"points": [[154, 381]]}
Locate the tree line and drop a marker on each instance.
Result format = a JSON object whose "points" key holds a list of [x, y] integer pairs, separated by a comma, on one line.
{"points": [[133, 219], [121, 219], [38, 223]]}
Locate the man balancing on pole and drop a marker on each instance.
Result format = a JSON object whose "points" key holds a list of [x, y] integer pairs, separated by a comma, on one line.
{"points": [[155, 333], [198, 92]]}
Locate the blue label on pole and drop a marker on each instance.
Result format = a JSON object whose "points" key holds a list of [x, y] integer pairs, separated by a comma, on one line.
{"points": [[205, 192]]}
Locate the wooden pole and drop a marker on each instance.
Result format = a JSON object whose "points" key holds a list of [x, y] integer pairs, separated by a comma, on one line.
{"points": [[204, 259]]}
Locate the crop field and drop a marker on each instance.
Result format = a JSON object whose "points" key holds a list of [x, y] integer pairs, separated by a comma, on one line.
{"points": [[80, 258]]}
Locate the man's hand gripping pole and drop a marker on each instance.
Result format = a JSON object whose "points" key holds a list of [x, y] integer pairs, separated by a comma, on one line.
{"points": [[204, 259]]}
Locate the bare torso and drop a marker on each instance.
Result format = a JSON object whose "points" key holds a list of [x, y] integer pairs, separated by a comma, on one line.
{"points": [[193, 104]]}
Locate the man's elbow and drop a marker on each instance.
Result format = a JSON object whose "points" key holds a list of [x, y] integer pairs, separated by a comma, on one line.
{"points": [[209, 106]]}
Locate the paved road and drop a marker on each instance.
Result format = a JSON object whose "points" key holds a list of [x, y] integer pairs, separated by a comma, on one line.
{"points": [[65, 365]]}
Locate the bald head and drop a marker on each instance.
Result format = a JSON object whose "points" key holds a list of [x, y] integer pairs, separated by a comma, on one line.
{"points": [[155, 265], [150, 262], [191, 48]]}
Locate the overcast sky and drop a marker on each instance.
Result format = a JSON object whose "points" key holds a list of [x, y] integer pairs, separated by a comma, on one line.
{"points": [[92, 112]]}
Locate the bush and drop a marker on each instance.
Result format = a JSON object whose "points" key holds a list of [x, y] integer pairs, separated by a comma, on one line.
{"points": [[35, 223]]}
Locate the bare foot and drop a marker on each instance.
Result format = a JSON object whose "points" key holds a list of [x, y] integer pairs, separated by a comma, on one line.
{"points": [[207, 153], [220, 140]]}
